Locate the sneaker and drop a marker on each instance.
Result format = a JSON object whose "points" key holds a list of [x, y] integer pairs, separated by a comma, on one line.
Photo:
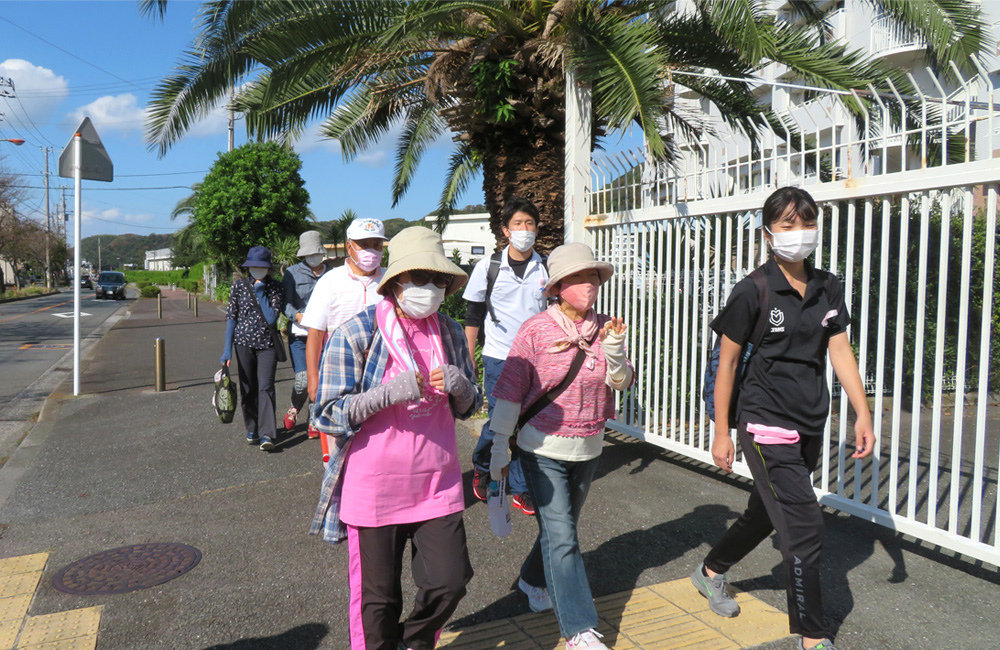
{"points": [[290, 418], [524, 503], [312, 432], [589, 639], [480, 484], [252, 438], [266, 444], [538, 597], [716, 591], [825, 644]]}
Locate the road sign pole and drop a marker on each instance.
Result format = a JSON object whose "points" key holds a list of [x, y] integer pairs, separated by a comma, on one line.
{"points": [[77, 178]]}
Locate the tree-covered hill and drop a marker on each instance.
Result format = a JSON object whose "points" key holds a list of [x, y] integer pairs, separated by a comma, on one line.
{"points": [[130, 249]]}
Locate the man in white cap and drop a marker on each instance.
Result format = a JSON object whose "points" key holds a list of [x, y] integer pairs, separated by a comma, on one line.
{"points": [[299, 281], [344, 291]]}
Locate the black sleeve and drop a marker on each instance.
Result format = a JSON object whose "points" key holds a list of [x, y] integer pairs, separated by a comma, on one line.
{"points": [[837, 319], [475, 314], [739, 316]]}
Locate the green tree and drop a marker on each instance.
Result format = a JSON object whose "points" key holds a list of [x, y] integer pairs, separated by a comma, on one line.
{"points": [[492, 72], [338, 229], [251, 196], [187, 247]]}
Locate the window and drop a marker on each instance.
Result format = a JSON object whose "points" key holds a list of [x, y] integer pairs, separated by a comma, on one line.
{"points": [[478, 250]]}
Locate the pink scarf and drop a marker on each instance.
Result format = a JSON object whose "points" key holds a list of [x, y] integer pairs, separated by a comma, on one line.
{"points": [[574, 338], [394, 338]]}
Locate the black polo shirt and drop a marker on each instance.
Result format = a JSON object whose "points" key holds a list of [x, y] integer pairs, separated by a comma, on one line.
{"points": [[784, 384]]}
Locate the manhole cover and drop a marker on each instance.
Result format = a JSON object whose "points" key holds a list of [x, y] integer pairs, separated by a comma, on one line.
{"points": [[126, 569]]}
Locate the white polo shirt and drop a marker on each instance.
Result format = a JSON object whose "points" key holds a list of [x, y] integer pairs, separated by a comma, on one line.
{"points": [[338, 295], [514, 300]]}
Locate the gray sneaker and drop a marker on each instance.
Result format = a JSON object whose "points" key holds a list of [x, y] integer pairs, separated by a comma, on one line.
{"points": [[715, 590], [825, 644]]}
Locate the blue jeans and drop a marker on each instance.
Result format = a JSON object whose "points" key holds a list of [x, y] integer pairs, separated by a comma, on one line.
{"points": [[560, 489], [481, 455]]}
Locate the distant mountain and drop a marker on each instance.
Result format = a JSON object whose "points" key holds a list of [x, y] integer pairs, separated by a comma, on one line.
{"points": [[129, 249]]}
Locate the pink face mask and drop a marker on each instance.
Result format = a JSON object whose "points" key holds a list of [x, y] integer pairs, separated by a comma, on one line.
{"points": [[580, 297], [368, 259]]}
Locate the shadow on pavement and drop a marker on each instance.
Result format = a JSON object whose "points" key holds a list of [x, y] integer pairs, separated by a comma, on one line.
{"points": [[303, 637]]}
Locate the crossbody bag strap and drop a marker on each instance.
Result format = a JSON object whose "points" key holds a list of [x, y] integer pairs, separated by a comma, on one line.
{"points": [[551, 396]]}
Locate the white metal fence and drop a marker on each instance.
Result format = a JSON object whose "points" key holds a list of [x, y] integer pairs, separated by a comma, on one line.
{"points": [[910, 229]]}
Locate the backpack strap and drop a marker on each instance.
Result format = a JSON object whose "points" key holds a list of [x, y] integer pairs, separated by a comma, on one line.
{"points": [[491, 279]]}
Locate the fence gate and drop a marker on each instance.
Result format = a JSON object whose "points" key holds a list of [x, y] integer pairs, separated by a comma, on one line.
{"points": [[908, 223]]}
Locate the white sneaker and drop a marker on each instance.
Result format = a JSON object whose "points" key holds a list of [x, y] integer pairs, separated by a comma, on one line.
{"points": [[589, 639], [538, 597]]}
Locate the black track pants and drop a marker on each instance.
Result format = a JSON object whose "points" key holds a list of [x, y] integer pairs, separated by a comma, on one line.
{"points": [[782, 499]]}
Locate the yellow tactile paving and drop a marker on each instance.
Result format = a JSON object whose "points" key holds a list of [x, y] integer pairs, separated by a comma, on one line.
{"points": [[23, 564], [76, 643], [8, 633], [60, 626], [19, 584], [667, 616], [14, 608]]}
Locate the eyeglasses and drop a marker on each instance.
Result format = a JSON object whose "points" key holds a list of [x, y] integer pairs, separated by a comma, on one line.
{"points": [[419, 278]]}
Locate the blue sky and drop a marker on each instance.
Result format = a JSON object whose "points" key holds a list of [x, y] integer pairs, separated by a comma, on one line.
{"points": [[101, 59]]}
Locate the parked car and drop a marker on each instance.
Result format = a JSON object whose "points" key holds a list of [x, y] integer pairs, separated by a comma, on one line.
{"points": [[85, 281], [111, 284]]}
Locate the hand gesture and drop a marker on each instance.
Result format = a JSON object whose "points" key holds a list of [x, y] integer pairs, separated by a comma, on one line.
{"points": [[864, 438], [616, 325], [437, 379]]}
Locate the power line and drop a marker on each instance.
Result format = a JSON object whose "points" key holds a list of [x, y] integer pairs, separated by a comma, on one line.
{"points": [[127, 225], [111, 189]]}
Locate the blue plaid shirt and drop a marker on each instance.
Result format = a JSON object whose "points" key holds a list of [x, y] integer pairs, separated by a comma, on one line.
{"points": [[356, 352]]}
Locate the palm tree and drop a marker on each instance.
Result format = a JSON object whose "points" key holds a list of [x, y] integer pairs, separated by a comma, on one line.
{"points": [[492, 73], [338, 229], [185, 207]]}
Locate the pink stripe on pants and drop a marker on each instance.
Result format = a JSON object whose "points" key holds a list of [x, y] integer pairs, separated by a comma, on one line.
{"points": [[354, 573]]}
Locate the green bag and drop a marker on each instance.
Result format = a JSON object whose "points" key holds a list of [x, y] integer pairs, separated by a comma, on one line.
{"points": [[224, 397]]}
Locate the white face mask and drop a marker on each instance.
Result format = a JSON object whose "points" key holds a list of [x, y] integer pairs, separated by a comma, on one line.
{"points": [[522, 240], [419, 302], [258, 272], [794, 245], [313, 260]]}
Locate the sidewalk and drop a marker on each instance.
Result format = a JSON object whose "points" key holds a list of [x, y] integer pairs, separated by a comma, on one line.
{"points": [[123, 465]]}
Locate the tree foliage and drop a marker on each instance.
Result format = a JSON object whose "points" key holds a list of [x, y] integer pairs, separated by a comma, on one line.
{"points": [[252, 196]]}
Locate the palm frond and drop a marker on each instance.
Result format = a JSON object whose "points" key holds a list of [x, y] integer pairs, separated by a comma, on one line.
{"points": [[423, 125], [462, 169], [360, 120]]}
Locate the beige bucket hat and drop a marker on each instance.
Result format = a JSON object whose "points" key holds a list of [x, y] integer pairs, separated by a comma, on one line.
{"points": [[311, 243], [568, 259], [419, 248]]}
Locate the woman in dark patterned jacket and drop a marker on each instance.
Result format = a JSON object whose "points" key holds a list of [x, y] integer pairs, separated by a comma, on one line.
{"points": [[254, 305]]}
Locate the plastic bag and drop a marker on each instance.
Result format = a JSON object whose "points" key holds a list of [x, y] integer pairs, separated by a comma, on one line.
{"points": [[499, 508], [224, 397]]}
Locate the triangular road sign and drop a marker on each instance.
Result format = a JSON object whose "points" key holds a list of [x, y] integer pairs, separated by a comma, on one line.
{"points": [[97, 165]]}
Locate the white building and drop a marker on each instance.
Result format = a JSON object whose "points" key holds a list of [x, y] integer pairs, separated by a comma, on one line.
{"points": [[469, 234], [159, 260]]}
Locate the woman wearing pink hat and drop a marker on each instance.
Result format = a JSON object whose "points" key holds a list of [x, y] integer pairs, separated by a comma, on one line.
{"points": [[556, 390]]}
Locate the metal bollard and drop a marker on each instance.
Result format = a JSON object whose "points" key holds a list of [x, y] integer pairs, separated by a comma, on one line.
{"points": [[161, 366], [159, 306], [196, 306], [189, 300]]}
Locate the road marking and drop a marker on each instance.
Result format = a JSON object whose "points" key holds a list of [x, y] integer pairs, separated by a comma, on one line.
{"points": [[69, 314], [58, 304], [46, 346]]}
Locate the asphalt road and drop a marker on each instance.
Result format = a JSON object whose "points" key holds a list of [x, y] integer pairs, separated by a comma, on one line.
{"points": [[36, 333]]}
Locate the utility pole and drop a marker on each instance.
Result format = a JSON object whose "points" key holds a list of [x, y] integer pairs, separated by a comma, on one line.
{"points": [[100, 267], [232, 121], [48, 223]]}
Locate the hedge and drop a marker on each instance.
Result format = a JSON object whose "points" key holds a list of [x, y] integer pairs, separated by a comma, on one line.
{"points": [[150, 291]]}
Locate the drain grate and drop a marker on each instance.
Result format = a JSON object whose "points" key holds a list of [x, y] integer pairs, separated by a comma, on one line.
{"points": [[126, 569]]}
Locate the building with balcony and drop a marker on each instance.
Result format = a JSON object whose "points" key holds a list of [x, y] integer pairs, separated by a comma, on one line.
{"points": [[159, 260]]}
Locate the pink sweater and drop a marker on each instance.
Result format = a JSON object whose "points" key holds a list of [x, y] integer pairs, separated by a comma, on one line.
{"points": [[530, 372]]}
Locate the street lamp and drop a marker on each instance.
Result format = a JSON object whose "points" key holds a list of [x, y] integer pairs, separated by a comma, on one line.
{"points": [[15, 141]]}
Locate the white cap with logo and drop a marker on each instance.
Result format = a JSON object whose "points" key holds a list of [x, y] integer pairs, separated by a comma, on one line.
{"points": [[366, 229]]}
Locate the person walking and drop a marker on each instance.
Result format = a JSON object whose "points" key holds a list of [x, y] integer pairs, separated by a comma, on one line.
{"points": [[780, 409], [504, 290], [392, 381], [343, 292], [556, 392], [299, 281], [254, 305]]}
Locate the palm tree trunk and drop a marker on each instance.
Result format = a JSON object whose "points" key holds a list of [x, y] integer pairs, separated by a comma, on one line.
{"points": [[535, 173]]}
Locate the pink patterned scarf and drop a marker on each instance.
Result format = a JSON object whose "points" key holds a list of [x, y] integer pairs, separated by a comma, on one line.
{"points": [[574, 337]]}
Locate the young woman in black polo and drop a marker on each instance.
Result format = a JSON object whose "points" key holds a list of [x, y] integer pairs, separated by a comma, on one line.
{"points": [[781, 409]]}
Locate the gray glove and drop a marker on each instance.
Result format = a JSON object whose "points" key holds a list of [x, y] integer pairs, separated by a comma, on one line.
{"points": [[619, 373], [402, 388], [456, 384]]}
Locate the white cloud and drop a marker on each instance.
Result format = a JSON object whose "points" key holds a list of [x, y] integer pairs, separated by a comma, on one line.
{"points": [[114, 216], [111, 113], [38, 93]]}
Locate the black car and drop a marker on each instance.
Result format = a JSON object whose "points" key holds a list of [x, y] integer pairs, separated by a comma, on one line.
{"points": [[111, 284], [85, 281]]}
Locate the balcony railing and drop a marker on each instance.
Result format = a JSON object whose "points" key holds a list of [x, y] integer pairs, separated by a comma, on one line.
{"points": [[888, 36]]}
